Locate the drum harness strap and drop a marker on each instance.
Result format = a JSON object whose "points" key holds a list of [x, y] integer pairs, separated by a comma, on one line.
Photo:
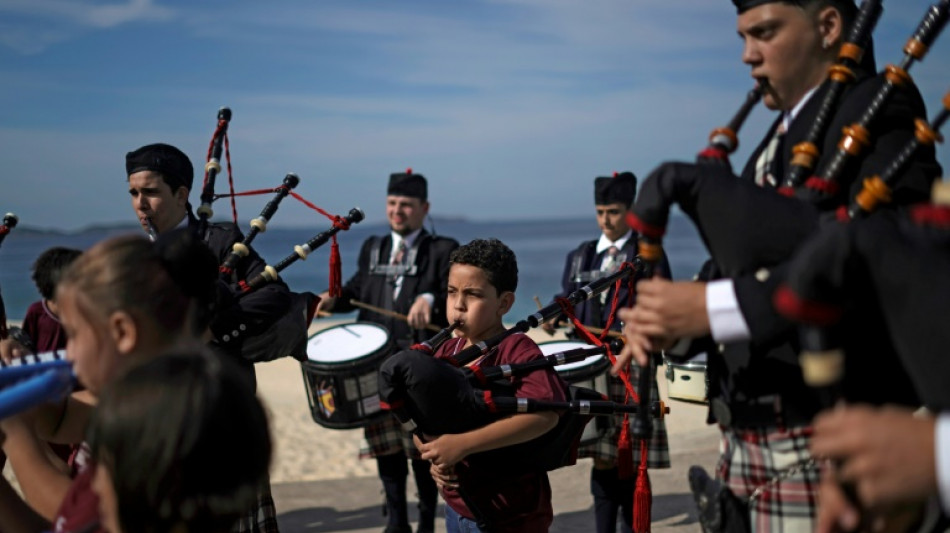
{"points": [[383, 268], [579, 275]]}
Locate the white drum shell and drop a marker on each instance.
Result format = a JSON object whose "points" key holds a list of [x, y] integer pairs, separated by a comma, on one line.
{"points": [[340, 374], [687, 381], [591, 373]]}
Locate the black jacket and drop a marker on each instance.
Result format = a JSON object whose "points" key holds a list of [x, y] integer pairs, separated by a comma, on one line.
{"points": [[579, 265], [254, 326], [429, 273], [768, 363]]}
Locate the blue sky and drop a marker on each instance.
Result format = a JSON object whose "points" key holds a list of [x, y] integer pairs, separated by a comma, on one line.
{"points": [[509, 107]]}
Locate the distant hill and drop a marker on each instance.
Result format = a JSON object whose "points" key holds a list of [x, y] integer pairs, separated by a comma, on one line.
{"points": [[95, 228]]}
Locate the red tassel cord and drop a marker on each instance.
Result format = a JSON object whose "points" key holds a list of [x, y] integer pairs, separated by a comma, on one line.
{"points": [[625, 450], [642, 494], [336, 276]]}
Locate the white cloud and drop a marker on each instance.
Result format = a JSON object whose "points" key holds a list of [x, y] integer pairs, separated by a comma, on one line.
{"points": [[514, 45], [40, 24], [88, 14], [30, 40]]}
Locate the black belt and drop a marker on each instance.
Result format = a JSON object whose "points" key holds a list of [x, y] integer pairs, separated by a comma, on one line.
{"points": [[765, 412]]}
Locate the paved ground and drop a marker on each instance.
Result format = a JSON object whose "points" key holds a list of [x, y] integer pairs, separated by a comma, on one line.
{"points": [[353, 505], [352, 502]]}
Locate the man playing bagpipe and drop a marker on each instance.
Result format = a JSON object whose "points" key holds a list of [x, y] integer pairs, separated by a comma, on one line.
{"points": [[757, 393], [611, 489], [160, 178]]}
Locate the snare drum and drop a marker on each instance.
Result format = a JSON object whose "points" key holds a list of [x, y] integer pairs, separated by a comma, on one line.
{"points": [[589, 373], [687, 381], [340, 374]]}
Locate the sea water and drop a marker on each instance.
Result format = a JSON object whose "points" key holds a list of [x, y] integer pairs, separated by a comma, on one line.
{"points": [[540, 246]]}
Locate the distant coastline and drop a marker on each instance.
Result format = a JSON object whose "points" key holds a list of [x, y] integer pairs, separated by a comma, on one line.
{"points": [[437, 220], [540, 245], [119, 227]]}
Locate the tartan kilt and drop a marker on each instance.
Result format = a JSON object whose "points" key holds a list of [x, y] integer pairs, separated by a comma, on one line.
{"points": [[262, 518], [766, 458], [605, 447], [386, 437]]}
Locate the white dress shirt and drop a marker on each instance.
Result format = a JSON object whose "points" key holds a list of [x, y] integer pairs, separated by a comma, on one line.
{"points": [[409, 241], [604, 243], [942, 451]]}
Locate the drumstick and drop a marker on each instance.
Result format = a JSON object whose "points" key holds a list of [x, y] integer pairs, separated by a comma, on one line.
{"points": [[611, 333], [593, 329], [387, 312]]}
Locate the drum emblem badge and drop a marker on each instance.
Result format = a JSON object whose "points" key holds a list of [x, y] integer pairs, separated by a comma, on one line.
{"points": [[325, 399]]}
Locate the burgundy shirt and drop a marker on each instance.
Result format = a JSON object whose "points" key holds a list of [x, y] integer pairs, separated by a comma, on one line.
{"points": [[47, 334], [80, 507], [44, 328], [521, 502]]}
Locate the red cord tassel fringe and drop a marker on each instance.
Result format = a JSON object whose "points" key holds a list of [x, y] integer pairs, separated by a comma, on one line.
{"points": [[336, 276]]}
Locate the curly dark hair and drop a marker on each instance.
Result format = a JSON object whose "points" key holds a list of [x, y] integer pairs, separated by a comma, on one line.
{"points": [[49, 267], [494, 258]]}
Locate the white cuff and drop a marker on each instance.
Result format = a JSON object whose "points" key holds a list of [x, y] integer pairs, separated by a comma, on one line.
{"points": [[726, 322], [429, 297], [942, 460]]}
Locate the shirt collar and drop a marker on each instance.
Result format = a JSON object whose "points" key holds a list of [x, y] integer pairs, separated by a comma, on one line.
{"points": [[605, 243], [411, 238], [183, 223], [789, 117]]}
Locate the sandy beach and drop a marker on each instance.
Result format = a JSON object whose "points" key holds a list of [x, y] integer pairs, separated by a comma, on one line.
{"points": [[321, 485]]}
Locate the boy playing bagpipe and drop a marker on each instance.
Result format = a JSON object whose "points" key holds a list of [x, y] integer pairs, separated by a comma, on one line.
{"points": [[482, 281]]}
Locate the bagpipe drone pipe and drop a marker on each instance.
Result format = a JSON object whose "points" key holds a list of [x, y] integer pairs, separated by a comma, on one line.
{"points": [[286, 334], [878, 190], [745, 226], [876, 292], [438, 396], [219, 140]]}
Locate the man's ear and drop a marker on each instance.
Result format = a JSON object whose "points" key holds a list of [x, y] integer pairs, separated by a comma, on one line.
{"points": [[181, 195], [124, 332], [830, 26]]}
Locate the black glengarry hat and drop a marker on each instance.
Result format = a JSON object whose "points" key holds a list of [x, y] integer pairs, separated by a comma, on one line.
{"points": [[165, 159], [408, 184], [745, 5], [621, 188]]}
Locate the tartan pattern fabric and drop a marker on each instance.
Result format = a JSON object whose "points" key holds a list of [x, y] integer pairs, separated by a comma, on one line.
{"points": [[777, 461], [263, 517], [605, 447], [385, 437]]}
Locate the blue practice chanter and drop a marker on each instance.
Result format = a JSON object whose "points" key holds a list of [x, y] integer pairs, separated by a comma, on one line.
{"points": [[34, 379]]}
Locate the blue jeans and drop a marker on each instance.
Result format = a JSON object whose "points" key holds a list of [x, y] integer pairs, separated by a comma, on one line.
{"points": [[456, 523]]}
